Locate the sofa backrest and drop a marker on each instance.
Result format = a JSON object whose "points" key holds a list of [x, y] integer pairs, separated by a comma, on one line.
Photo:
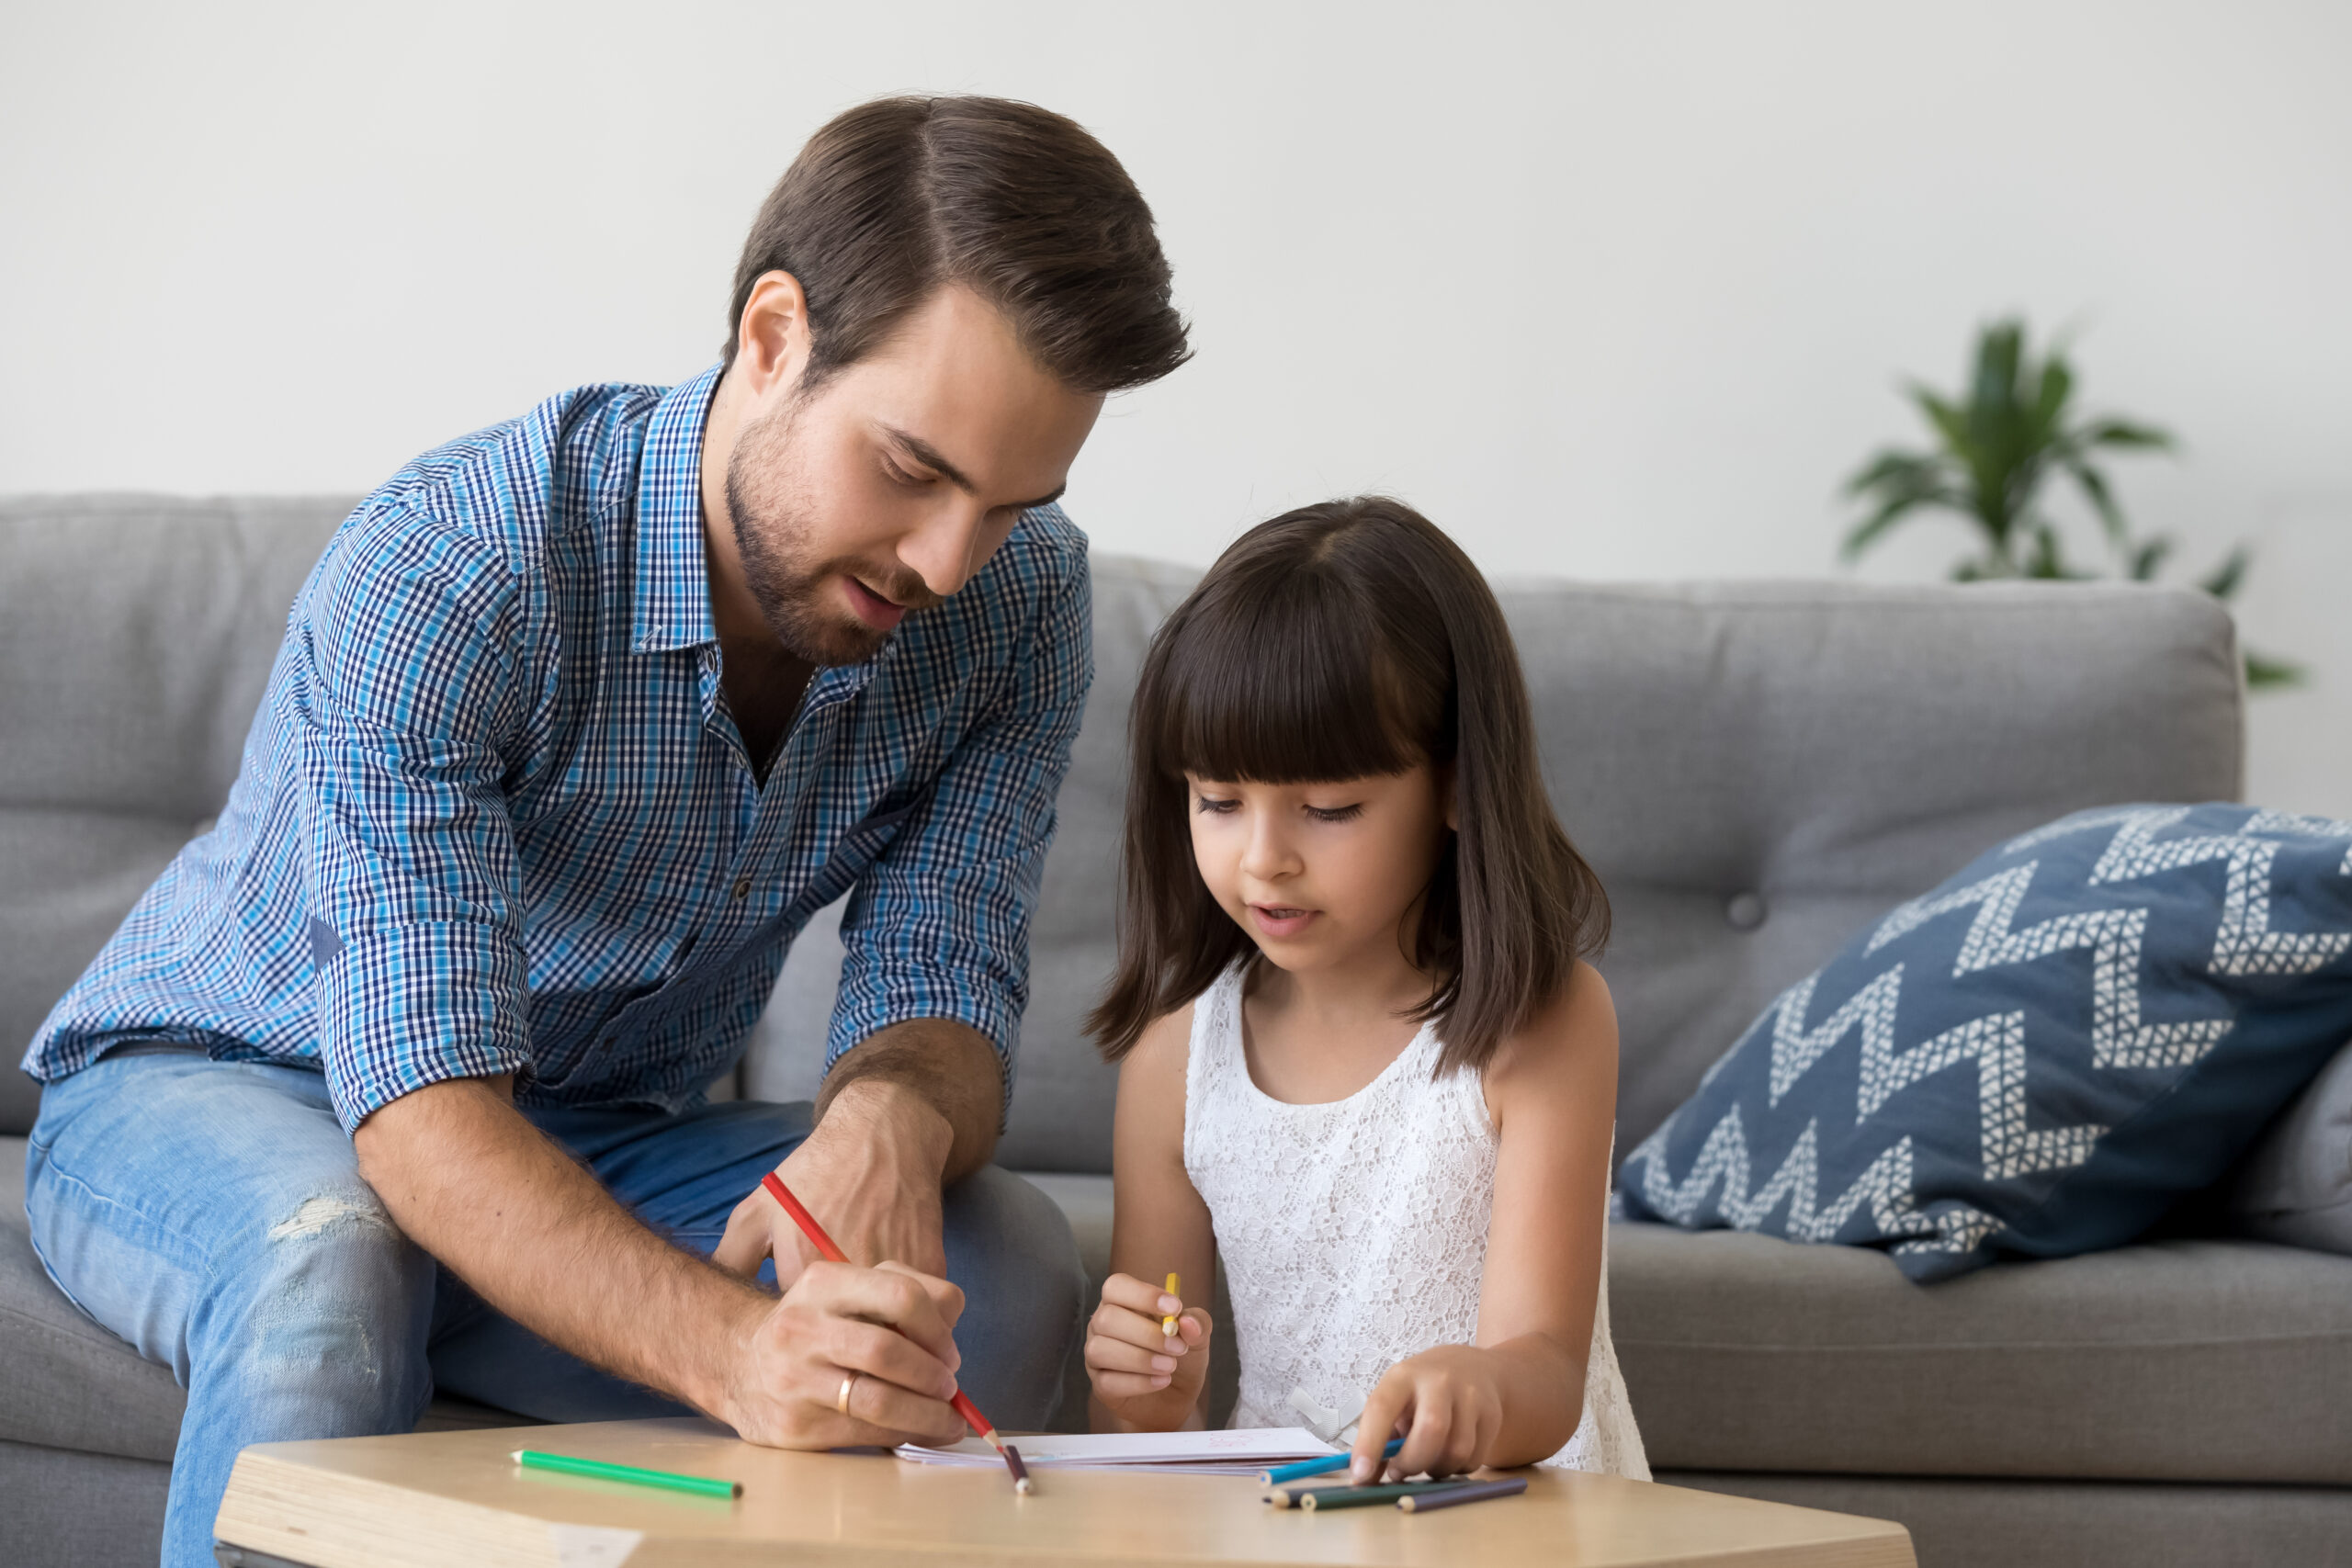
{"points": [[136, 634], [1755, 769]]}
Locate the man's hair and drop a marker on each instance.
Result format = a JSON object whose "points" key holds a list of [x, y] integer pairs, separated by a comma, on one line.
{"points": [[1339, 641], [895, 197]]}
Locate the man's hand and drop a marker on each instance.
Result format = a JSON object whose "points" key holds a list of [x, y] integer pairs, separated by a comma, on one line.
{"points": [[870, 1174], [885, 1332], [477, 1186], [908, 1112]]}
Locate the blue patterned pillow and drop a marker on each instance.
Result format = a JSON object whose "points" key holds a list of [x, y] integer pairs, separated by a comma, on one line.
{"points": [[2041, 1056]]}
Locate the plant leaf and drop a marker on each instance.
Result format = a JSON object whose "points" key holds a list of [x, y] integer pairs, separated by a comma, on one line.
{"points": [[2050, 399], [2048, 561], [2123, 432], [2264, 672], [1891, 465], [1998, 349], [1891, 512], [1948, 420], [2149, 559], [2102, 500], [2224, 579]]}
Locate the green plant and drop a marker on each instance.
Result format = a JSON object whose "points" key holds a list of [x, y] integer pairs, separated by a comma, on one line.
{"points": [[1997, 447]]}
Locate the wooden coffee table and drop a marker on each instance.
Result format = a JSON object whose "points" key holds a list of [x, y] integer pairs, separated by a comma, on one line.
{"points": [[454, 1498]]}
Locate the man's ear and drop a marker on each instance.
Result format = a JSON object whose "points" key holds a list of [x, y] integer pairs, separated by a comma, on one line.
{"points": [[773, 341]]}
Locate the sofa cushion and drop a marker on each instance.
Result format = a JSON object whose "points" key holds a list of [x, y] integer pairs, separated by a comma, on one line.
{"points": [[136, 634], [1756, 769], [70, 1383], [2175, 1360], [2296, 1186], [2041, 1056], [2185, 1361]]}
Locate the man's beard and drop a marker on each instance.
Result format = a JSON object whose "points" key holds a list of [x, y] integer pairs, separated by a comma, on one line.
{"points": [[769, 503]]}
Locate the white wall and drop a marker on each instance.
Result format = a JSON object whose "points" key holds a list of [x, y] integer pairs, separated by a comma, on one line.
{"points": [[1610, 290]]}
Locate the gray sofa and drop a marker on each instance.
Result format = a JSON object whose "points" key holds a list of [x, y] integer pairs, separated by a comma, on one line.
{"points": [[1755, 769]]}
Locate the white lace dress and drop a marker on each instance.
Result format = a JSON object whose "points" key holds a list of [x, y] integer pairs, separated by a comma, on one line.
{"points": [[1353, 1233]]}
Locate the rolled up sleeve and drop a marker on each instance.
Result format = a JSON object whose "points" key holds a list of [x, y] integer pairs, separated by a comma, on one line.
{"points": [[404, 694], [939, 926]]}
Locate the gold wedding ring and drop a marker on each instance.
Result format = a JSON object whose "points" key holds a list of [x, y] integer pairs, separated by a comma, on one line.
{"points": [[840, 1400]]}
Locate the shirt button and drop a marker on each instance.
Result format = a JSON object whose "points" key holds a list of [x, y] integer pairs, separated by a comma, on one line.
{"points": [[742, 888]]}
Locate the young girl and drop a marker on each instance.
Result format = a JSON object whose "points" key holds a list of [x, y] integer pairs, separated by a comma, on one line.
{"points": [[1358, 1047]]}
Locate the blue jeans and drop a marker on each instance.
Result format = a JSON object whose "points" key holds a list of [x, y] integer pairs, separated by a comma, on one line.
{"points": [[212, 1214]]}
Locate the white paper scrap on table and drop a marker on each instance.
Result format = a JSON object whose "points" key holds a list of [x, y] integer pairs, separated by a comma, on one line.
{"points": [[592, 1546], [1243, 1451]]}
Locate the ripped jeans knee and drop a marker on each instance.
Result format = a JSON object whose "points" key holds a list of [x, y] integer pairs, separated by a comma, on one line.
{"points": [[334, 1308]]}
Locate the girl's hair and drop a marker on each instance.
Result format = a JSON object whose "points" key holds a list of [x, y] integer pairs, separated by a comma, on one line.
{"points": [[1338, 641]]}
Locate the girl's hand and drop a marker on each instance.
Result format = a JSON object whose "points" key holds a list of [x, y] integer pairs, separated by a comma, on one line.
{"points": [[1149, 1380], [1447, 1403]]}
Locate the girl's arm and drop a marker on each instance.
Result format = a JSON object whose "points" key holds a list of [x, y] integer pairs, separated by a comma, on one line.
{"points": [[1143, 1380], [1518, 1394]]}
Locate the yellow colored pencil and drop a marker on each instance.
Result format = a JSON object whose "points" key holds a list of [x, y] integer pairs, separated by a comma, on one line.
{"points": [[1168, 1324]]}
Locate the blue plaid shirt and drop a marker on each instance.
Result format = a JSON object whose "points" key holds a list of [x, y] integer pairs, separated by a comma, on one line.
{"points": [[494, 816]]}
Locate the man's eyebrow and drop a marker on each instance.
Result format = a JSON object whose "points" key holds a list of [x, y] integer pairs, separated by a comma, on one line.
{"points": [[923, 452]]}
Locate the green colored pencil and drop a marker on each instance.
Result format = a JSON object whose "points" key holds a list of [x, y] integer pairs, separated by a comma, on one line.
{"points": [[1316, 1499], [700, 1485]]}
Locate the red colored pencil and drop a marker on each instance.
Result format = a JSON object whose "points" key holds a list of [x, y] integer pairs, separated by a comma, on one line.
{"points": [[824, 1244]]}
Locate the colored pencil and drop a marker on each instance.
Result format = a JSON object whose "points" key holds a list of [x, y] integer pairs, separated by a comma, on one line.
{"points": [[1168, 1324], [824, 1245], [701, 1486], [1323, 1466], [1469, 1492], [1020, 1471], [1318, 1498]]}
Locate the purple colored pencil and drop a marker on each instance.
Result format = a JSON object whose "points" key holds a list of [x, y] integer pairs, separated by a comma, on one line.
{"points": [[1471, 1491], [1020, 1471]]}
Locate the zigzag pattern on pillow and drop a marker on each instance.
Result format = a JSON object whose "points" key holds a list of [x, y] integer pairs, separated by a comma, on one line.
{"points": [[1719, 1186]]}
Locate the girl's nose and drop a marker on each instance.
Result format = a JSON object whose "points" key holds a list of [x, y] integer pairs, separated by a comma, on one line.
{"points": [[1268, 853]]}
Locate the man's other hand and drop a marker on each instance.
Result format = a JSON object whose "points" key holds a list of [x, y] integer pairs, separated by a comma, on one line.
{"points": [[911, 1109], [869, 1173]]}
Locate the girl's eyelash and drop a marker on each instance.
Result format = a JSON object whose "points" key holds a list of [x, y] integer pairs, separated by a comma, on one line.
{"points": [[1214, 806], [1335, 813]]}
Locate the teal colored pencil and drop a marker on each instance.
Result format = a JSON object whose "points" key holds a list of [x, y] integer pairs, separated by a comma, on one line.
{"points": [[700, 1485], [1323, 1466]]}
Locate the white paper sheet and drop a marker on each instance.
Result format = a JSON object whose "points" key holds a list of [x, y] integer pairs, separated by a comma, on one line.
{"points": [[1231, 1452]]}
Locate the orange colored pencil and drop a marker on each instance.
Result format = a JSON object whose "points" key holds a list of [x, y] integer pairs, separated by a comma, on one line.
{"points": [[824, 1245]]}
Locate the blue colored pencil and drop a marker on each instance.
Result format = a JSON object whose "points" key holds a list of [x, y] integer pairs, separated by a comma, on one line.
{"points": [[1323, 1466]]}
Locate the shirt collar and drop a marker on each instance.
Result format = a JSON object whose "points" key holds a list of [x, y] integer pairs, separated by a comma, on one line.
{"points": [[672, 607]]}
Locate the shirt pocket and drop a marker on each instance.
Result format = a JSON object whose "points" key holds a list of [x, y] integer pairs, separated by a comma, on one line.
{"points": [[856, 851]]}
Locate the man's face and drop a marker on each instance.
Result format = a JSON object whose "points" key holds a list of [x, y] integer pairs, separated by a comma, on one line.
{"points": [[885, 489]]}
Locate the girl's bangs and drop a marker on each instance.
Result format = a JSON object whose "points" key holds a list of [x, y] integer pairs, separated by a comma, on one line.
{"points": [[1289, 686]]}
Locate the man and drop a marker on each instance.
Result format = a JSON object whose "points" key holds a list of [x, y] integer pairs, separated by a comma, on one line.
{"points": [[394, 1080]]}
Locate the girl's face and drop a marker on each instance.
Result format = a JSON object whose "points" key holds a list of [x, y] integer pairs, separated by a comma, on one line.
{"points": [[1320, 874]]}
